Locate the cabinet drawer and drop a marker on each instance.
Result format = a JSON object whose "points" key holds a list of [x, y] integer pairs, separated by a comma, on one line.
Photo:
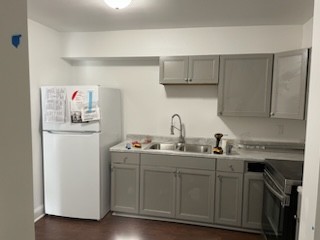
{"points": [[229, 165], [127, 158], [178, 161]]}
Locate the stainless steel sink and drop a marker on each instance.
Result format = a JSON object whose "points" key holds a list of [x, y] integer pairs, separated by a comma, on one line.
{"points": [[182, 147], [163, 146], [195, 148]]}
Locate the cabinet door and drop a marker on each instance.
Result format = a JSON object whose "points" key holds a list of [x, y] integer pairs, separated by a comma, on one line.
{"points": [[195, 195], [245, 85], [174, 70], [228, 202], [252, 200], [289, 84], [125, 158], [125, 188], [157, 191], [203, 70]]}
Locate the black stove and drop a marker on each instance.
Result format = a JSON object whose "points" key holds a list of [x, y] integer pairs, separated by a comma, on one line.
{"points": [[285, 173], [280, 199]]}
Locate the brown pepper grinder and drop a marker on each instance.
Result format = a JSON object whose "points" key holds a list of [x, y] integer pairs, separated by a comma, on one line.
{"points": [[217, 149]]}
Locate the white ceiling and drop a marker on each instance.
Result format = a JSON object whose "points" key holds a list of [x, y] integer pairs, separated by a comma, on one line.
{"points": [[95, 15]]}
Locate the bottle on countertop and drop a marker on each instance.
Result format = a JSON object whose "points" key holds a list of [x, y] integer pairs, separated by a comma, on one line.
{"points": [[217, 149]]}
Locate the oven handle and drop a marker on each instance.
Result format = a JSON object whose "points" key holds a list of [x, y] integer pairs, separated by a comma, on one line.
{"points": [[285, 200]]}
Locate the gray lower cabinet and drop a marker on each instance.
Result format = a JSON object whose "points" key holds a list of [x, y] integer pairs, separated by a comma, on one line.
{"points": [[195, 195], [187, 188], [180, 187], [185, 194], [189, 70], [157, 191], [125, 182], [245, 85], [289, 84], [229, 186], [228, 202], [252, 200]]}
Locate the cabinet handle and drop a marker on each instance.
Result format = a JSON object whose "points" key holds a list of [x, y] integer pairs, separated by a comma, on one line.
{"points": [[125, 159], [231, 167], [186, 79], [190, 79], [177, 173], [272, 114]]}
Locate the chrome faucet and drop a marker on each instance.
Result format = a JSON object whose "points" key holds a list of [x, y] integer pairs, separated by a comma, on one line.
{"points": [[181, 138]]}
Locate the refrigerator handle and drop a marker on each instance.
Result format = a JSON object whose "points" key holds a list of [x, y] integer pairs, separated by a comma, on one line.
{"points": [[73, 132]]}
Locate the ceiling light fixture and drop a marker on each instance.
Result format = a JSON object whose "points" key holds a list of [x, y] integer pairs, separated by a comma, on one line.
{"points": [[118, 4]]}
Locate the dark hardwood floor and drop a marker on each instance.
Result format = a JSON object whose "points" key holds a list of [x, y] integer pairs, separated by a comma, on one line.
{"points": [[121, 228]]}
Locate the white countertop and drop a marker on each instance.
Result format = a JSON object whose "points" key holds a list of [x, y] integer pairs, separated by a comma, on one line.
{"points": [[248, 155]]}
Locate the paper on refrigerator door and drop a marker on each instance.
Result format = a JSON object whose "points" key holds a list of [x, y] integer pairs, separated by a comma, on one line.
{"points": [[83, 108], [90, 113], [55, 105], [77, 101]]}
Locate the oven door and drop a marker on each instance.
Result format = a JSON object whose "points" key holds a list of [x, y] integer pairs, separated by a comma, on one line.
{"points": [[275, 207]]}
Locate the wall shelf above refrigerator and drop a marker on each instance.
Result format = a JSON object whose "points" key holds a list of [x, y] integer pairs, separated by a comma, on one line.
{"points": [[113, 61]]}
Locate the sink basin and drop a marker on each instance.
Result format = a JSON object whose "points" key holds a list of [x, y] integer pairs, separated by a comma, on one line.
{"points": [[163, 146], [195, 148], [182, 147]]}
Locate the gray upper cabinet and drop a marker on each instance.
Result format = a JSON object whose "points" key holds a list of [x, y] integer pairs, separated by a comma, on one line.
{"points": [[203, 70], [189, 70], [174, 70], [245, 85], [289, 84]]}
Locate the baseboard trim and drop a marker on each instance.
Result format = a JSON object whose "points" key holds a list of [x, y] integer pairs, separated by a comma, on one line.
{"points": [[186, 222], [38, 213]]}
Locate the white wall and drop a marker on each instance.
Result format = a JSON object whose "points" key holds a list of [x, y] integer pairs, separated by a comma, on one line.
{"points": [[183, 41], [307, 34], [16, 215], [46, 67], [310, 215], [148, 106]]}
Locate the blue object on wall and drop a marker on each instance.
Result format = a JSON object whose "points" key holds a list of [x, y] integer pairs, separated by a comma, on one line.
{"points": [[15, 39]]}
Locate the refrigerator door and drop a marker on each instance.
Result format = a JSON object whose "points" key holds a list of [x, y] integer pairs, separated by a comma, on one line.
{"points": [[72, 174], [60, 103]]}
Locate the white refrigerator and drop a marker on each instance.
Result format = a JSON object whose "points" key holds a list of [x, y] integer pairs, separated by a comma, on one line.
{"points": [[79, 125]]}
